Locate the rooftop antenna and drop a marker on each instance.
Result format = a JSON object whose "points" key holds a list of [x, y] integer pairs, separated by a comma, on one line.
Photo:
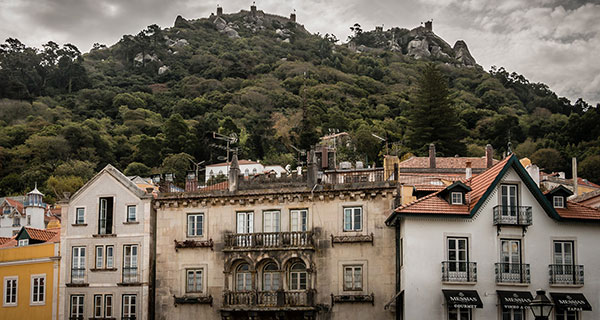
{"points": [[382, 139], [230, 139], [509, 145]]}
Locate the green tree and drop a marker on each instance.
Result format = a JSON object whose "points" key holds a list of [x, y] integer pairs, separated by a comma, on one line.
{"points": [[590, 168], [548, 159], [137, 169], [432, 118]]}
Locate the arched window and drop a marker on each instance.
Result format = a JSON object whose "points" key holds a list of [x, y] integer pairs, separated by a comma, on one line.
{"points": [[211, 174], [270, 277], [254, 171], [298, 276], [220, 172], [246, 172], [243, 278]]}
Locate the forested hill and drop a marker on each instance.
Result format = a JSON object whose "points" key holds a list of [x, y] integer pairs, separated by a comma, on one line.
{"points": [[147, 102]]}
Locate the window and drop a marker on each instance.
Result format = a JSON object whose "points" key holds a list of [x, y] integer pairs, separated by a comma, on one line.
{"points": [[195, 224], [105, 216], [271, 221], [457, 198], [7, 210], [38, 289], [245, 225], [298, 276], [246, 172], [99, 257], [103, 306], [509, 200], [563, 268], [559, 201], [270, 277], [563, 253], [109, 257], [194, 280], [76, 307], [10, 291], [353, 278], [78, 265], [510, 269], [131, 213], [566, 315], [459, 314], [243, 278], [299, 220], [457, 256], [79, 215], [129, 310], [513, 314], [28, 220], [130, 263], [254, 171], [16, 221], [353, 219], [23, 242]]}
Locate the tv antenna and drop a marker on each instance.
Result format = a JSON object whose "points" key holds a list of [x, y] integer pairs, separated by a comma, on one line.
{"points": [[230, 139]]}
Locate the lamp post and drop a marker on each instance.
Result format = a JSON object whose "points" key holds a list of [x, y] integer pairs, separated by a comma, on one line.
{"points": [[541, 306]]}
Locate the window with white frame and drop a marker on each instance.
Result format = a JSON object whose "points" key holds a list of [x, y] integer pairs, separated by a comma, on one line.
{"points": [[38, 289], [129, 307], [459, 314], [78, 264], [130, 263], [559, 201], [10, 291], [299, 220], [195, 224], [99, 257], [131, 213], [298, 276], [353, 278], [270, 280], [194, 280], [80, 216], [457, 198], [110, 261], [103, 306], [23, 242], [353, 218], [108, 305], [567, 315], [76, 311], [16, 221], [513, 314], [243, 278]]}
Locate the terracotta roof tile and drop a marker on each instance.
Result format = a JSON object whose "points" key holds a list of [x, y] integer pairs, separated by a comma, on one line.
{"points": [[4, 240], [16, 204], [9, 244], [40, 234], [445, 162], [576, 210]]}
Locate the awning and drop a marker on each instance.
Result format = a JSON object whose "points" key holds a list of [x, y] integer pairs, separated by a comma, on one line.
{"points": [[570, 301], [514, 299], [463, 299]]}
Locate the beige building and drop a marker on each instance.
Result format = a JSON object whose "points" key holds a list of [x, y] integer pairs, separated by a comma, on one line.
{"points": [[276, 248], [106, 268]]}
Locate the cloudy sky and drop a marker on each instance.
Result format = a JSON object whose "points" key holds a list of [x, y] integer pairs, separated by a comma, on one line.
{"points": [[552, 41]]}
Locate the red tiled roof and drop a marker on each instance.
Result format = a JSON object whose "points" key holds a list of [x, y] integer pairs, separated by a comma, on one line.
{"points": [[4, 240], [446, 162], [218, 186], [15, 204], [578, 211], [9, 244], [429, 187], [40, 234]]}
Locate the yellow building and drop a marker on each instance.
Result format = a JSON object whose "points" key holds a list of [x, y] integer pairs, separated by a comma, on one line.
{"points": [[29, 271]]}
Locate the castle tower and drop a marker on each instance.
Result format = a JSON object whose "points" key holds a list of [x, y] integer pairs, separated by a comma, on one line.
{"points": [[219, 11], [429, 25], [293, 16], [253, 8], [35, 209]]}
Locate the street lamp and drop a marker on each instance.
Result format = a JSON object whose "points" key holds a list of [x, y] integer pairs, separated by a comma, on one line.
{"points": [[541, 306]]}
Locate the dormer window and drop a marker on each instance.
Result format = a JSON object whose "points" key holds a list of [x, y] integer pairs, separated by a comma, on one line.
{"points": [[558, 201], [456, 198], [7, 210]]}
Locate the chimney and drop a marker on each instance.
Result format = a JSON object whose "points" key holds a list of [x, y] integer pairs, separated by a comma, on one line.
{"points": [[429, 25], [432, 155], [219, 11], [324, 157], [293, 16], [234, 173], [191, 182], [468, 170], [489, 156], [575, 186], [534, 172], [313, 169]]}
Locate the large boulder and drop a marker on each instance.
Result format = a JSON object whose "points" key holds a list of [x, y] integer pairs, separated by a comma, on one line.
{"points": [[418, 48], [462, 54]]}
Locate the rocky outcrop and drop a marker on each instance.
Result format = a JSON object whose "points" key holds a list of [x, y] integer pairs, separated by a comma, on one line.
{"points": [[418, 48], [180, 22], [462, 54], [224, 27]]}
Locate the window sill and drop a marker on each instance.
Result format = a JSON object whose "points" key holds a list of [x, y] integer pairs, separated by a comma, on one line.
{"points": [[129, 284], [111, 235], [77, 285], [513, 284], [79, 225], [103, 270], [566, 285], [35, 304], [131, 222], [194, 244], [191, 299], [467, 283], [353, 298], [8, 305]]}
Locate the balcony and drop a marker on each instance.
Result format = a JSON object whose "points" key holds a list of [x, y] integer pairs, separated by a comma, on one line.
{"points": [[130, 275], [269, 299], [513, 273], [269, 240], [459, 271], [566, 274], [512, 215]]}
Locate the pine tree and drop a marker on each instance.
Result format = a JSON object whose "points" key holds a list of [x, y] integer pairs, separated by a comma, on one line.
{"points": [[433, 118]]}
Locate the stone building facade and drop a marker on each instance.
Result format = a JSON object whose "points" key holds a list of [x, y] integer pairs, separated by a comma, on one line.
{"points": [[106, 262], [287, 248]]}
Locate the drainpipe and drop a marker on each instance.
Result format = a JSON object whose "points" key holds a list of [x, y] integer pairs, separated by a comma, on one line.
{"points": [[575, 186]]}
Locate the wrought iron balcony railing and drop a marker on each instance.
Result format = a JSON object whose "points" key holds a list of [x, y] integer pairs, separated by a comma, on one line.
{"points": [[459, 271], [273, 240], [513, 273], [77, 275], [278, 298], [512, 215], [130, 275], [567, 274]]}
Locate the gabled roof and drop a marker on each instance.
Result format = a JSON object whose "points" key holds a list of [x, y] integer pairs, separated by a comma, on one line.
{"points": [[39, 234], [578, 211], [481, 187], [18, 205], [559, 189], [120, 177], [586, 196]]}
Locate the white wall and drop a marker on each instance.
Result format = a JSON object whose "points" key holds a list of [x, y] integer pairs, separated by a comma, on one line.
{"points": [[424, 250]]}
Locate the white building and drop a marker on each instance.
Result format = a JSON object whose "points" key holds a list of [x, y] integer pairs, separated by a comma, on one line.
{"points": [[106, 269], [247, 168], [480, 250], [15, 214]]}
